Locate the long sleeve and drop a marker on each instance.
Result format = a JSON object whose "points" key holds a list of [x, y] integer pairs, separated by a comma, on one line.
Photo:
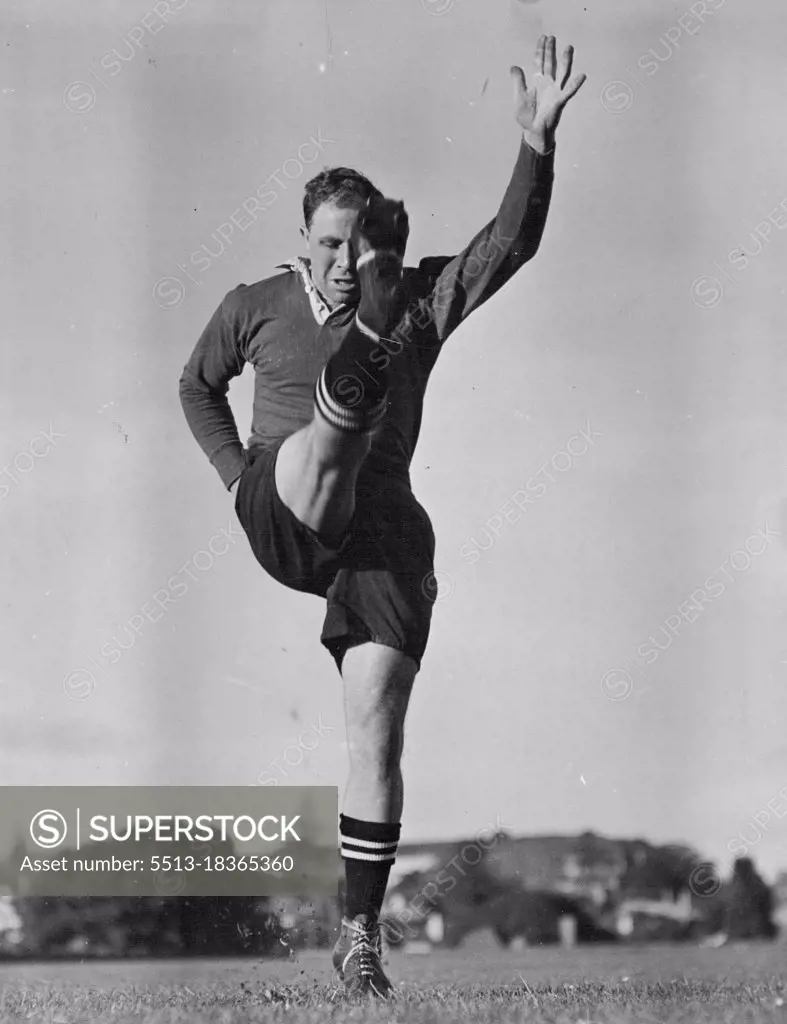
{"points": [[461, 283], [216, 359]]}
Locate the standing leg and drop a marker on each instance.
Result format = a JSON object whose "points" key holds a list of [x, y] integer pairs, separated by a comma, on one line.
{"points": [[378, 681]]}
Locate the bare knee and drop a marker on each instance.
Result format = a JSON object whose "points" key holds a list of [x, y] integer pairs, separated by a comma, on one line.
{"points": [[375, 740]]}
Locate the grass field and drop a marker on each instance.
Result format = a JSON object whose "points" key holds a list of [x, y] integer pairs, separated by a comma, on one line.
{"points": [[584, 986]]}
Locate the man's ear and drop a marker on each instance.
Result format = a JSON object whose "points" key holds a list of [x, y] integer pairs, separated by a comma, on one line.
{"points": [[305, 235]]}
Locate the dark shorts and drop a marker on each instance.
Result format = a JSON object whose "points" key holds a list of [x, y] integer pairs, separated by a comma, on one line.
{"points": [[378, 583]]}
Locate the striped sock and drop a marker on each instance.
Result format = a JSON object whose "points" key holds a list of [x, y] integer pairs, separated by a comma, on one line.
{"points": [[352, 392], [368, 850]]}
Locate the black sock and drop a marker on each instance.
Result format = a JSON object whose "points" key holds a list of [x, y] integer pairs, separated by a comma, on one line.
{"points": [[368, 850], [352, 391]]}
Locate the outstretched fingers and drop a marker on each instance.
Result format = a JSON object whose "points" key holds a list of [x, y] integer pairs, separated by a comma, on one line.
{"points": [[566, 63], [550, 57], [520, 84], [573, 86], [541, 53]]}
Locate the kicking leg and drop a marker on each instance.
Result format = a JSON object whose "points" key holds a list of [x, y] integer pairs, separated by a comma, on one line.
{"points": [[317, 467], [316, 471]]}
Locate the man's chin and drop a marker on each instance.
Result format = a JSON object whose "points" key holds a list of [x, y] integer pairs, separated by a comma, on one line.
{"points": [[345, 295]]}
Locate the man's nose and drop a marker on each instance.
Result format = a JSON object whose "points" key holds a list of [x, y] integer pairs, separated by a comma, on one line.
{"points": [[346, 255]]}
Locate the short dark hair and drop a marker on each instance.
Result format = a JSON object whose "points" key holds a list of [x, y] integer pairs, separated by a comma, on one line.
{"points": [[340, 185]]}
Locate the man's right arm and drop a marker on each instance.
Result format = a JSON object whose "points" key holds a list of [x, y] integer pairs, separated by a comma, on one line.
{"points": [[216, 359]]}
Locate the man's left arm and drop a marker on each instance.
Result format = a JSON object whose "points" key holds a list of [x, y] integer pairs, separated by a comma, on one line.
{"points": [[462, 283]]}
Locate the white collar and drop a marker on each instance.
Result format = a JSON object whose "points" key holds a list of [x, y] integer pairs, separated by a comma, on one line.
{"points": [[320, 308]]}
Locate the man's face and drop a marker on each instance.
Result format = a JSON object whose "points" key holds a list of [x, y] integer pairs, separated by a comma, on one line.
{"points": [[332, 242]]}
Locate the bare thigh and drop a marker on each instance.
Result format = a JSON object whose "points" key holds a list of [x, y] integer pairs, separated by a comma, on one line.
{"points": [[316, 472]]}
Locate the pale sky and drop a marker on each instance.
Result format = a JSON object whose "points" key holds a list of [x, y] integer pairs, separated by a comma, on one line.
{"points": [[636, 317]]}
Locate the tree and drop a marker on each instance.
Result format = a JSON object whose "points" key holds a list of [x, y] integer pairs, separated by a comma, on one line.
{"points": [[750, 904]]}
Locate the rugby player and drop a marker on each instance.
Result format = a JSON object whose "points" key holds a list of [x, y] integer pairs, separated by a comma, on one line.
{"points": [[342, 342]]}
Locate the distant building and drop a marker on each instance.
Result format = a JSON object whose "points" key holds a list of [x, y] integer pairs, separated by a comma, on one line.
{"points": [[542, 888], [589, 866], [649, 920], [585, 866]]}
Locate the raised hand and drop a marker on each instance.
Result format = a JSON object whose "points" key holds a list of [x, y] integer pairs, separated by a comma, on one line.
{"points": [[540, 104]]}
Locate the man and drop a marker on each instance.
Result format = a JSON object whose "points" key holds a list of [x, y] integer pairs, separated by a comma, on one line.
{"points": [[342, 345]]}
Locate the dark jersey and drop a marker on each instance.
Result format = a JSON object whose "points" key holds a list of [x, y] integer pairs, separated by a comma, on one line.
{"points": [[272, 326]]}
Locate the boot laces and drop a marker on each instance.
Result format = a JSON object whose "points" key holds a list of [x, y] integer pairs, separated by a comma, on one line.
{"points": [[365, 950]]}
